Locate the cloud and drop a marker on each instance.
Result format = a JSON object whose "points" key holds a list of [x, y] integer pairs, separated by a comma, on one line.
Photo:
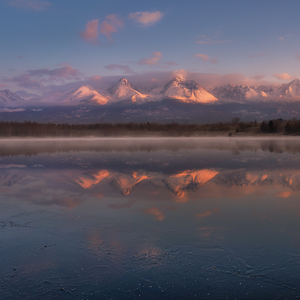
{"points": [[202, 56], [93, 28], [208, 213], [2, 85], [258, 77], [146, 18], [26, 81], [90, 34], [35, 79], [281, 38], [11, 110], [36, 5], [259, 54], [125, 68], [207, 41], [284, 76], [156, 212], [298, 56], [154, 59], [110, 26], [66, 72], [214, 60], [95, 78]]}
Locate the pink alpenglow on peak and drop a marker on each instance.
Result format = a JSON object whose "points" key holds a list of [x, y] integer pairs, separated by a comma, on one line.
{"points": [[187, 91], [86, 94], [124, 90]]}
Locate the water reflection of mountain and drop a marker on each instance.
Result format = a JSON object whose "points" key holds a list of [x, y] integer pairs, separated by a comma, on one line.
{"points": [[191, 181], [12, 147], [69, 188]]}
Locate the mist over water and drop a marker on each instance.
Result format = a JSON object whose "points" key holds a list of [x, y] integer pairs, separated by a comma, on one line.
{"points": [[167, 218]]}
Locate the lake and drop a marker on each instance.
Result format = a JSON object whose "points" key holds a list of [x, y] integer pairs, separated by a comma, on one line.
{"points": [[147, 218]]}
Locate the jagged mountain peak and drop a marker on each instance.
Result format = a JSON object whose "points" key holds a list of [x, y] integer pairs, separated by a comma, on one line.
{"points": [[8, 96], [88, 94], [121, 82], [187, 90], [124, 90]]}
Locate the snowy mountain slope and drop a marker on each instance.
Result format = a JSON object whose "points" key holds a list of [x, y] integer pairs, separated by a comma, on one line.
{"points": [[86, 94], [124, 90], [8, 96], [238, 93], [187, 91]]}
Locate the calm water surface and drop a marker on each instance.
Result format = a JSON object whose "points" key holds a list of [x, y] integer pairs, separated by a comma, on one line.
{"points": [[202, 218]]}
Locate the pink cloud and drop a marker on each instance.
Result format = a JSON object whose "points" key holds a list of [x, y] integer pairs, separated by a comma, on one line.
{"points": [[281, 38], [25, 81], [2, 85], [284, 76], [259, 54], [109, 26], [298, 56], [95, 78], [91, 32], [258, 77], [214, 60], [207, 41], [146, 18], [125, 68], [64, 72], [151, 61], [154, 211], [36, 5], [202, 56]]}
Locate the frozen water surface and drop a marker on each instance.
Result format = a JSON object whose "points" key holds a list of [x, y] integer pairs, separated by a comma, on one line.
{"points": [[184, 218]]}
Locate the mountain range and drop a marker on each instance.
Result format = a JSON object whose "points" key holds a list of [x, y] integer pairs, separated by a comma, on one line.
{"points": [[184, 90], [180, 100]]}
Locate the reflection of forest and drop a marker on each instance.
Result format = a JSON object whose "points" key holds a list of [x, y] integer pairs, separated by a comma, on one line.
{"points": [[11, 147], [33, 129]]}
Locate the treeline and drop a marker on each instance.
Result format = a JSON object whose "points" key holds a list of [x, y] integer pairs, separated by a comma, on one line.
{"points": [[33, 129], [289, 127], [235, 127]]}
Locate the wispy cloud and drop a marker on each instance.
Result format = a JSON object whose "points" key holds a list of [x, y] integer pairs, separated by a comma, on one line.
{"points": [[153, 60], [25, 81], [214, 60], [205, 40], [202, 56], [125, 68], [284, 76], [93, 28], [206, 57], [95, 78], [259, 54], [36, 79], [36, 5], [258, 77], [154, 211], [110, 26], [66, 72], [146, 18], [91, 32], [281, 38]]}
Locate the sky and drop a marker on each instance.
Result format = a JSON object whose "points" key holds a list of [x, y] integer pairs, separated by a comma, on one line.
{"points": [[53, 45]]}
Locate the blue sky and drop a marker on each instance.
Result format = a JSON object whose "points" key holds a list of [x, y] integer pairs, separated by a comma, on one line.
{"points": [[52, 43]]}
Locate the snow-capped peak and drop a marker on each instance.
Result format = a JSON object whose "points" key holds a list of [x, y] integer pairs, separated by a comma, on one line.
{"points": [[8, 96], [187, 90], [124, 90], [87, 94]]}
